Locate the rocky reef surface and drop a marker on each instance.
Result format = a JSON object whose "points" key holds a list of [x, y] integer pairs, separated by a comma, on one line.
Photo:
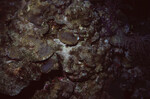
{"points": [[83, 48]]}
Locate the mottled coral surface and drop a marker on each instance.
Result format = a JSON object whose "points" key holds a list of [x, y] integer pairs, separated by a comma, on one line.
{"points": [[73, 49]]}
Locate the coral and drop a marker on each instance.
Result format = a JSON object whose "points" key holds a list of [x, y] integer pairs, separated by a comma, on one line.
{"points": [[67, 38], [72, 49]]}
